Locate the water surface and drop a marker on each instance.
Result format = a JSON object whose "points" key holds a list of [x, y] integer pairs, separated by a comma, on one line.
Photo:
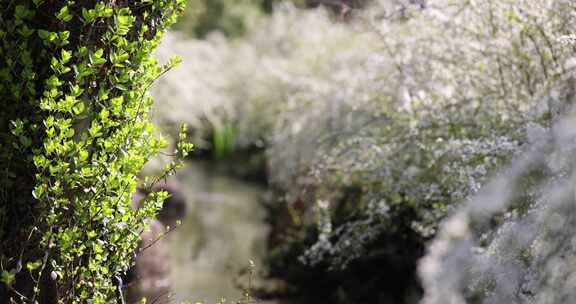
{"points": [[224, 229]]}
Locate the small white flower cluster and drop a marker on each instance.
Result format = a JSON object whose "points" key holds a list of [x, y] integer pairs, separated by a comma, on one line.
{"points": [[567, 39]]}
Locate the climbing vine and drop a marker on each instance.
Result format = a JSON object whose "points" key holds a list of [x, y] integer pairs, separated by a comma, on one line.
{"points": [[74, 133]]}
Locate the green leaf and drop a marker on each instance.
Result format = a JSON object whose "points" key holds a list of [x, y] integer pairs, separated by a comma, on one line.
{"points": [[64, 14], [43, 34], [65, 56], [53, 82], [83, 154], [31, 266], [88, 15], [22, 13], [38, 192], [124, 21], [75, 90], [78, 108], [7, 277], [69, 133]]}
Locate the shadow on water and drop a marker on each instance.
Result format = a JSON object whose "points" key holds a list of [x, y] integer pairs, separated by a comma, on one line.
{"points": [[224, 229]]}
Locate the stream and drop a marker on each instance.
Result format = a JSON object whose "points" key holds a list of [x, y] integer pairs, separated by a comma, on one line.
{"points": [[223, 231]]}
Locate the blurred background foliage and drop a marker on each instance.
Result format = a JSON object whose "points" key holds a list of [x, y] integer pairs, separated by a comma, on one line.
{"points": [[368, 126], [235, 18], [232, 18]]}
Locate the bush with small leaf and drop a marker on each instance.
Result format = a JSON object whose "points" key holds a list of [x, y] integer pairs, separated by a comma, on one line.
{"points": [[75, 131]]}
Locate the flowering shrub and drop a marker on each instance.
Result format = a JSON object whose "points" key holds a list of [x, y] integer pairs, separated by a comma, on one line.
{"points": [[514, 242], [75, 130]]}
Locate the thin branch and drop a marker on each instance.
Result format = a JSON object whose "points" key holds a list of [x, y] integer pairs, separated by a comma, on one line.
{"points": [[157, 239]]}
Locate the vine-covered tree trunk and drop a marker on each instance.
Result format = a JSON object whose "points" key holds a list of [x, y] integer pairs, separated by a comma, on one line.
{"points": [[74, 132]]}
